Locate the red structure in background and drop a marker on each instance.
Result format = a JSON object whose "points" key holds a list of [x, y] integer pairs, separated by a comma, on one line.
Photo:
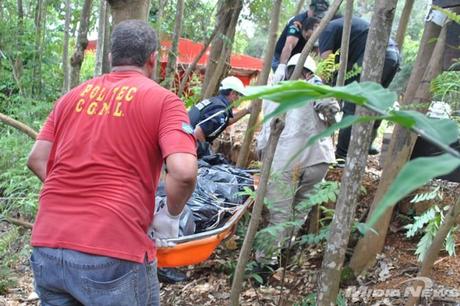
{"points": [[244, 67]]}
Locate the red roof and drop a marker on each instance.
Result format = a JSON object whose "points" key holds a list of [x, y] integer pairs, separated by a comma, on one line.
{"points": [[188, 50]]}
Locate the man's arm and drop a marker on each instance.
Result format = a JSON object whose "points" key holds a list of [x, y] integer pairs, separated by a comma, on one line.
{"points": [[289, 45], [199, 134], [239, 115], [180, 180], [325, 54], [38, 158]]}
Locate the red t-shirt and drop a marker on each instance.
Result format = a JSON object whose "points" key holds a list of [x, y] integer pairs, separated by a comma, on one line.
{"points": [[110, 136]]}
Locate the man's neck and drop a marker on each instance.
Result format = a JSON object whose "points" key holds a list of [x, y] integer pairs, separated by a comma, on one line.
{"points": [[129, 68]]}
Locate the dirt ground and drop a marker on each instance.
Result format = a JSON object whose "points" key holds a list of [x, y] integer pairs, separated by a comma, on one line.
{"points": [[209, 283]]}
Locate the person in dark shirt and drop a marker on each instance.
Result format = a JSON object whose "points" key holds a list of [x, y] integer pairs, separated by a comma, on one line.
{"points": [[210, 117], [295, 35], [330, 41]]}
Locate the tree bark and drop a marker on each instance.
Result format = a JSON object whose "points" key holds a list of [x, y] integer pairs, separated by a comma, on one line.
{"points": [[226, 50], [18, 125], [160, 16], [403, 23], [344, 48], [374, 58], [106, 65], [173, 53], [276, 128], [299, 7], [132, 9], [192, 66], [82, 42], [400, 147], [36, 71], [227, 11], [261, 80], [314, 37], [65, 51], [433, 251], [100, 37]]}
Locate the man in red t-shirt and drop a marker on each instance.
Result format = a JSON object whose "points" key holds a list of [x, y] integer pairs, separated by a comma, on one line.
{"points": [[99, 154]]}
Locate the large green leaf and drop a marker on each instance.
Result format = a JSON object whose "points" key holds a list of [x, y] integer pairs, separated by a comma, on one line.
{"points": [[293, 94], [414, 174]]}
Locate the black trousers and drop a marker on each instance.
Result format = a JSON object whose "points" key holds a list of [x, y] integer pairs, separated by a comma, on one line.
{"points": [[391, 66]]}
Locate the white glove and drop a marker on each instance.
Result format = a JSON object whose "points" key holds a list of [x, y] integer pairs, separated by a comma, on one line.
{"points": [[280, 73], [327, 109], [164, 226]]}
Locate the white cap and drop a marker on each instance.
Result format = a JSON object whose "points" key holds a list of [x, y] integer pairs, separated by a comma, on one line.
{"points": [[233, 83], [309, 62]]}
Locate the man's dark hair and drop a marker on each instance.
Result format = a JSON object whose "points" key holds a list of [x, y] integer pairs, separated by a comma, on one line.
{"points": [[132, 43], [319, 8], [225, 92], [309, 23]]}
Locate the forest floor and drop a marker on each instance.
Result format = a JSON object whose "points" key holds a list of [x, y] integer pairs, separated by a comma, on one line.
{"points": [[209, 283]]}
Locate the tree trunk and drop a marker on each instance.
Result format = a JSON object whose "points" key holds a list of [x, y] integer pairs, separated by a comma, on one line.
{"points": [[261, 80], [403, 22], [18, 125], [299, 7], [160, 17], [276, 127], [82, 42], [374, 58], [173, 53], [133, 9], [226, 50], [100, 37], [192, 66], [65, 51], [106, 65], [433, 252], [345, 43], [399, 151], [314, 37], [36, 72]]}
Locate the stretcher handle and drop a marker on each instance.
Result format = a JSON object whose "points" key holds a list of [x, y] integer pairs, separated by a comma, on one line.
{"points": [[232, 221]]}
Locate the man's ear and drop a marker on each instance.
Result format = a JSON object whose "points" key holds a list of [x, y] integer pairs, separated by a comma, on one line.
{"points": [[153, 57]]}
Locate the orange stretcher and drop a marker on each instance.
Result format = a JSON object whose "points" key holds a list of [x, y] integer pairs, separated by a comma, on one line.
{"points": [[196, 248]]}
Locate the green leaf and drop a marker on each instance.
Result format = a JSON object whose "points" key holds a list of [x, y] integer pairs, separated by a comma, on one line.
{"points": [[258, 278], [415, 174]]}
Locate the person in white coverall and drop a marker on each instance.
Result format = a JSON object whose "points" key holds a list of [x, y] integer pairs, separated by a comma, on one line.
{"points": [[309, 167]]}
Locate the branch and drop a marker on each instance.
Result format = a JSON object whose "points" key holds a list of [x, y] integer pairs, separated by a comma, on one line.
{"points": [[18, 125], [19, 222]]}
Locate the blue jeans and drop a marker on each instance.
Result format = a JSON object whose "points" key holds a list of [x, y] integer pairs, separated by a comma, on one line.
{"points": [[66, 277]]}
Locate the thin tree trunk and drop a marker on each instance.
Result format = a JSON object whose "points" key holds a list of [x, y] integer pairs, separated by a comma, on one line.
{"points": [[82, 43], [299, 7], [224, 17], [403, 22], [192, 66], [173, 53], [160, 17], [261, 80], [18, 125], [105, 57], [433, 252], [344, 48], [100, 37], [276, 128], [65, 52], [314, 37], [123, 10], [374, 58], [399, 151], [213, 83], [36, 71], [18, 66]]}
